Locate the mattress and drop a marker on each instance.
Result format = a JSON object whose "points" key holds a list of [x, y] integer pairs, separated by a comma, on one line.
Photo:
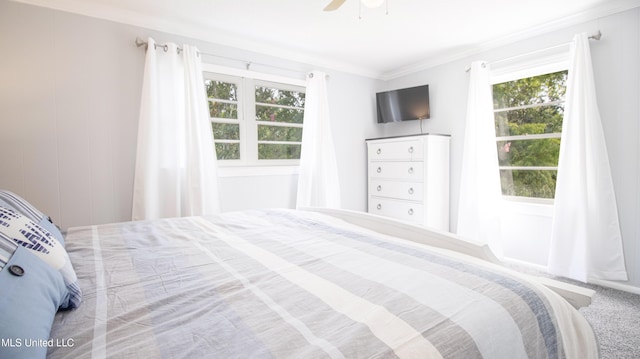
{"points": [[299, 284]]}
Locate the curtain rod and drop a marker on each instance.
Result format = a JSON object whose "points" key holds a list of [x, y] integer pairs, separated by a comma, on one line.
{"points": [[140, 43], [596, 36]]}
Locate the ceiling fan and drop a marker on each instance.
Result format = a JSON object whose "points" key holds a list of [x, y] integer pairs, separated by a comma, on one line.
{"points": [[335, 4]]}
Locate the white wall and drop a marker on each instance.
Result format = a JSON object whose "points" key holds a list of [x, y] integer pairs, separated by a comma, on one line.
{"points": [[69, 95], [615, 59], [69, 100]]}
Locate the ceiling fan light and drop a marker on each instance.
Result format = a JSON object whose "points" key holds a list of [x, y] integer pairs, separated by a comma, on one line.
{"points": [[372, 3]]}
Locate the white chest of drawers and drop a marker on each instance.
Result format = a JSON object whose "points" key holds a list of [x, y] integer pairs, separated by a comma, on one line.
{"points": [[408, 179]]}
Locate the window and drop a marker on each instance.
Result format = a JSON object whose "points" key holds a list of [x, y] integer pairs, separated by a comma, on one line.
{"points": [[223, 95], [528, 116], [255, 122]]}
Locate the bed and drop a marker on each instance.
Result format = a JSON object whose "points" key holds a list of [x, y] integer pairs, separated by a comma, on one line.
{"points": [[281, 283]]}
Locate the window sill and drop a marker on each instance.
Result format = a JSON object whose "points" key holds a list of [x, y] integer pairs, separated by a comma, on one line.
{"points": [[540, 207], [529, 200], [254, 171]]}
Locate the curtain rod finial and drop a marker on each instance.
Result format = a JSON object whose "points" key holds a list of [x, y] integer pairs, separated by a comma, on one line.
{"points": [[140, 42]]}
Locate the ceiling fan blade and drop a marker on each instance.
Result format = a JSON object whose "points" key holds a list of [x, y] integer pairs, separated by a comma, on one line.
{"points": [[334, 5]]}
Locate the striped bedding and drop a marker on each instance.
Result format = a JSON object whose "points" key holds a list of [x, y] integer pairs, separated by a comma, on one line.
{"points": [[297, 284]]}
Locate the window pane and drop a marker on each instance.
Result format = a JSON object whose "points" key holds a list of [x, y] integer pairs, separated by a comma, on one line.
{"points": [[541, 152], [542, 119], [225, 131], [270, 95], [223, 110], [228, 151], [538, 184], [278, 151], [531, 90], [278, 114], [221, 90], [279, 133]]}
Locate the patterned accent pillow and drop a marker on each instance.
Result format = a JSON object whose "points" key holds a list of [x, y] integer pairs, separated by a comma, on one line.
{"points": [[7, 248], [30, 294], [45, 246], [11, 200]]}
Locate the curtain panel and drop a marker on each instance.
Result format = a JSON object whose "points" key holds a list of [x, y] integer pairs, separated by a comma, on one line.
{"points": [[176, 169], [318, 182], [480, 200], [586, 241]]}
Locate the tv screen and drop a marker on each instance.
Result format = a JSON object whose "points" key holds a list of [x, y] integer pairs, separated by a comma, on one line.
{"points": [[403, 105]]}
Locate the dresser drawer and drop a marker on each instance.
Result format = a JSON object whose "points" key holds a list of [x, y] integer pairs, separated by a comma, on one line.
{"points": [[401, 190], [396, 170], [406, 211], [399, 150]]}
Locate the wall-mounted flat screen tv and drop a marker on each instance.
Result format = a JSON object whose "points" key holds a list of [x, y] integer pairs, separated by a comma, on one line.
{"points": [[403, 104]]}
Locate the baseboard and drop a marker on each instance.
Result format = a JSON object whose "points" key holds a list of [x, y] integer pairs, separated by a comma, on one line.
{"points": [[615, 285], [536, 267], [601, 282]]}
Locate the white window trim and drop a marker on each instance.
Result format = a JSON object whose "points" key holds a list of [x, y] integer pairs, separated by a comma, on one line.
{"points": [[539, 64], [231, 168], [231, 71], [557, 59], [251, 171]]}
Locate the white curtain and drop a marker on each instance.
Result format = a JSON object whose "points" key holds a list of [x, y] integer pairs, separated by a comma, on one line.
{"points": [[318, 183], [176, 170], [480, 200], [586, 241]]}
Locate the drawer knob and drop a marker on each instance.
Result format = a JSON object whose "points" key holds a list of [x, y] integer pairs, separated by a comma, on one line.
{"points": [[379, 169], [379, 151], [410, 170], [379, 206], [411, 149], [379, 188], [411, 190], [410, 211]]}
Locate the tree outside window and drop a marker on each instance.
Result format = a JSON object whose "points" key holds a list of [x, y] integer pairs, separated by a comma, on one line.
{"points": [[255, 122], [528, 120]]}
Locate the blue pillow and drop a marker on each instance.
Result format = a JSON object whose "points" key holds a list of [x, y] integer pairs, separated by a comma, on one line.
{"points": [[30, 294], [11, 200], [44, 246]]}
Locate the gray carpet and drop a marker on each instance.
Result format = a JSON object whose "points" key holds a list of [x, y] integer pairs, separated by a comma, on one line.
{"points": [[613, 314]]}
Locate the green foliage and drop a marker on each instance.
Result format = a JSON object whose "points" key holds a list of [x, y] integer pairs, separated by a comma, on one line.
{"points": [[541, 152], [228, 151], [272, 105], [274, 96], [529, 106], [529, 91], [282, 106], [226, 131], [279, 133], [278, 151], [538, 184], [221, 90], [222, 110], [279, 114]]}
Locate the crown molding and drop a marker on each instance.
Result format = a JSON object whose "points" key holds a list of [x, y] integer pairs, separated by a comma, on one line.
{"points": [[607, 9], [220, 37], [203, 33]]}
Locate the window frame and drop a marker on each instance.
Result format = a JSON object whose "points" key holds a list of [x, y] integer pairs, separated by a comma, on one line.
{"points": [[254, 131], [240, 93], [246, 81], [540, 64]]}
